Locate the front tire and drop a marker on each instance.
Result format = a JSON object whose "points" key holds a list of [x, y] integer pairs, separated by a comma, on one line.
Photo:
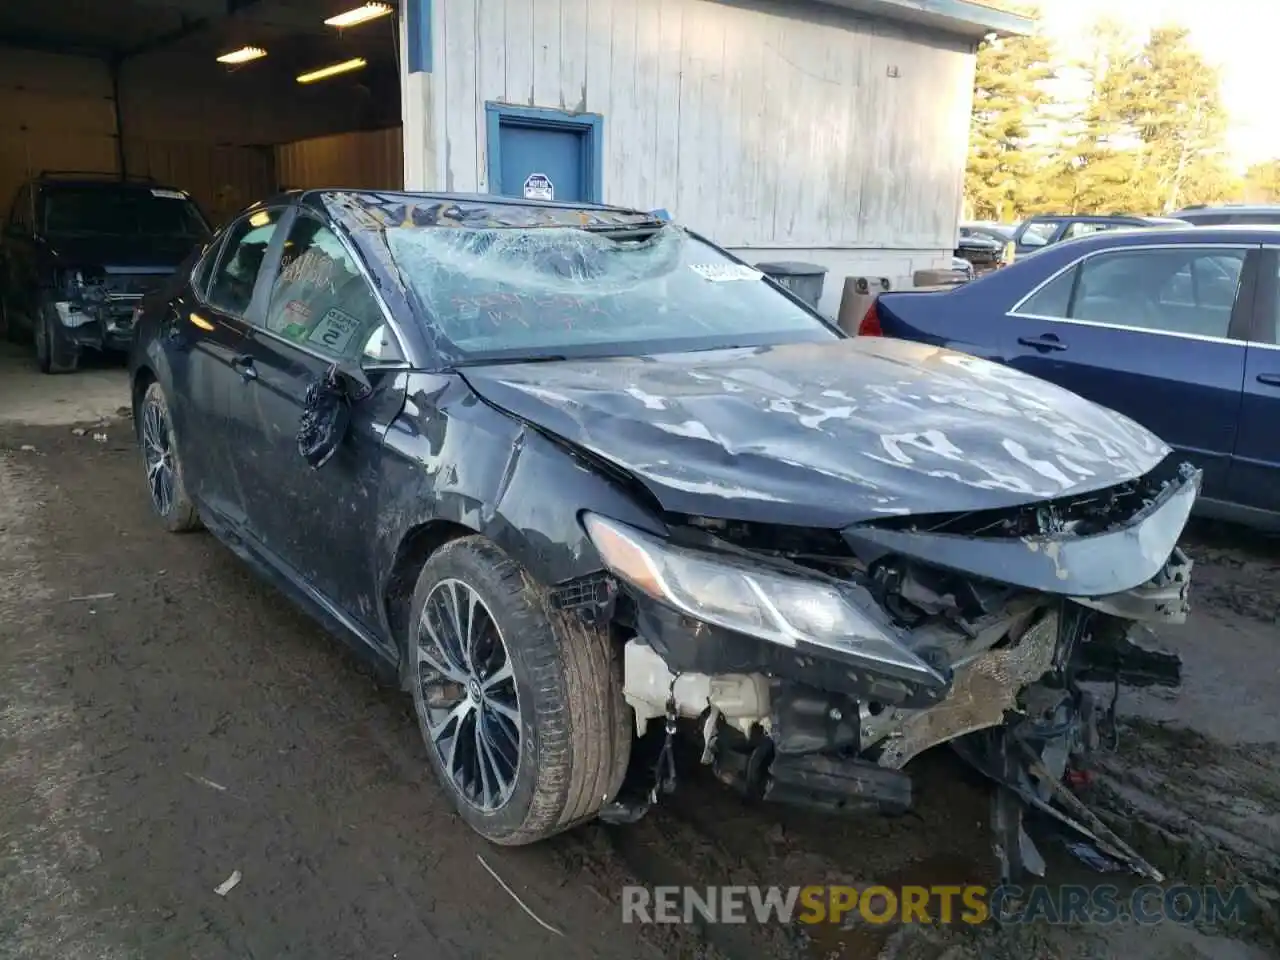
{"points": [[53, 355], [521, 707], [169, 498]]}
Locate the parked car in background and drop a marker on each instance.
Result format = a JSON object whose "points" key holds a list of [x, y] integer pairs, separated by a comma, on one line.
{"points": [[1036, 233], [1175, 328], [983, 253], [80, 250], [1233, 214], [562, 470], [1002, 233]]}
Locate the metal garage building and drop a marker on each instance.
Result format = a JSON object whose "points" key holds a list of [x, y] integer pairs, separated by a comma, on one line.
{"points": [[832, 132]]}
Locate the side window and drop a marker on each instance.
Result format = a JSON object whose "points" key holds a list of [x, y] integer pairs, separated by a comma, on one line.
{"points": [[231, 288], [1173, 290], [1038, 234], [320, 299], [204, 267], [1053, 299], [1083, 229]]}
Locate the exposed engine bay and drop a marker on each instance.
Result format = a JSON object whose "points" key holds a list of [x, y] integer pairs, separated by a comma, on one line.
{"points": [[815, 665]]}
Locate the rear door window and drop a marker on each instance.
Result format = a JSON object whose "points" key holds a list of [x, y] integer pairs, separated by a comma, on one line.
{"points": [[1181, 290], [231, 288]]}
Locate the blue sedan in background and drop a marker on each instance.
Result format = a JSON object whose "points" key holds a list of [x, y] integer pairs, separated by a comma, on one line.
{"points": [[1176, 328]]}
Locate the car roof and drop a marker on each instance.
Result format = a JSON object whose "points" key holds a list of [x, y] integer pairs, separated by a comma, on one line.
{"points": [[1101, 218], [1230, 208], [1226, 233], [381, 208], [80, 182]]}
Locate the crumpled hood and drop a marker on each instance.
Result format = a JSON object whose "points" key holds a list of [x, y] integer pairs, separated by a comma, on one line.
{"points": [[827, 434]]}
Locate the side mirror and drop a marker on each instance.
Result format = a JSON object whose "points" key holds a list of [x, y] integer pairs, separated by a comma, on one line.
{"points": [[326, 412]]}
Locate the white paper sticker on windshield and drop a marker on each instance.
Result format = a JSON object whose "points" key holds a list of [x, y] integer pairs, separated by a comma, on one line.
{"points": [[169, 194], [334, 331], [724, 272]]}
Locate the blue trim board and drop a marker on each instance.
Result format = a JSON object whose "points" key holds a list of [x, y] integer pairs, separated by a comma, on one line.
{"points": [[498, 115], [417, 28]]}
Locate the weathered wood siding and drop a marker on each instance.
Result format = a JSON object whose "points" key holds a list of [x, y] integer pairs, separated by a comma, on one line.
{"points": [[772, 126], [372, 159]]}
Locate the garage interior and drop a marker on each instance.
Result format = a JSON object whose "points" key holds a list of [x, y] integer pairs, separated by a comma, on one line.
{"points": [[135, 88]]}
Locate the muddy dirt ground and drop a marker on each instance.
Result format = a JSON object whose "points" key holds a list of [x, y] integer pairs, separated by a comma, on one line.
{"points": [[189, 723]]}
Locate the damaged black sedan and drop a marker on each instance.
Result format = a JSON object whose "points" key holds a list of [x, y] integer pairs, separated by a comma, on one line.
{"points": [[573, 475]]}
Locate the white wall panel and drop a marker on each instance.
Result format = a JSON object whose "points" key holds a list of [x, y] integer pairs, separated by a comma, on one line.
{"points": [[769, 126]]}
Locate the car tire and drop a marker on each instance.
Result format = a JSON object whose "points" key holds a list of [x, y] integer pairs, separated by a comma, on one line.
{"points": [[158, 440], [53, 356], [574, 727]]}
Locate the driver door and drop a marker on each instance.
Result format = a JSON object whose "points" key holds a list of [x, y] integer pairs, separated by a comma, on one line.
{"points": [[318, 525]]}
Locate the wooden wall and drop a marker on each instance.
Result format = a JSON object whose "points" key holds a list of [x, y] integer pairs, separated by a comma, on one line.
{"points": [[766, 125], [368, 159]]}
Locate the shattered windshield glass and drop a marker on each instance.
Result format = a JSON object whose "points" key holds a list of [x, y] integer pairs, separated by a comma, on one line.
{"points": [[513, 292]]}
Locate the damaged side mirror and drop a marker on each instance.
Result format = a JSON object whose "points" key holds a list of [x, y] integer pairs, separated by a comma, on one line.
{"points": [[326, 411]]}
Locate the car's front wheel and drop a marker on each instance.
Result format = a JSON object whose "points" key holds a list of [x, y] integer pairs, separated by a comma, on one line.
{"points": [[52, 354], [169, 498], [521, 707]]}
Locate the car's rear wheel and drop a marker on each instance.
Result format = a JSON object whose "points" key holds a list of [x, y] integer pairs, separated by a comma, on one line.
{"points": [[165, 485], [521, 708]]}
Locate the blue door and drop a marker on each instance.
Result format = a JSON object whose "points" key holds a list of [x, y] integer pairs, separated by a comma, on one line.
{"points": [[544, 154], [556, 154]]}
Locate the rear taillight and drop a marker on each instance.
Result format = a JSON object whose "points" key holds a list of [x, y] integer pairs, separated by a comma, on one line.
{"points": [[870, 325]]}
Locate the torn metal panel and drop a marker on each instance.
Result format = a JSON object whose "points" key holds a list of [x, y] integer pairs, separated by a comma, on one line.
{"points": [[982, 689], [1096, 566], [830, 434]]}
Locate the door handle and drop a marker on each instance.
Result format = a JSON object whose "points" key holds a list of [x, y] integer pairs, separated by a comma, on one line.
{"points": [[244, 364], [1270, 379], [1046, 342]]}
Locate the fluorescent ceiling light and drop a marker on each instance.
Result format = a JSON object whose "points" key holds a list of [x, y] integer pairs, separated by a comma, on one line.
{"points": [[370, 11], [243, 55], [333, 69]]}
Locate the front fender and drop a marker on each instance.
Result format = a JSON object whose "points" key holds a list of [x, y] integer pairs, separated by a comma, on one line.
{"points": [[451, 457]]}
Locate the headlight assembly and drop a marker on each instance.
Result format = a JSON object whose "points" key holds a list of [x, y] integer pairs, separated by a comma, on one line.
{"points": [[753, 599]]}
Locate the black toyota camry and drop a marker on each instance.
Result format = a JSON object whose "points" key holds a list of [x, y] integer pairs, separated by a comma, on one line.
{"points": [[578, 479]]}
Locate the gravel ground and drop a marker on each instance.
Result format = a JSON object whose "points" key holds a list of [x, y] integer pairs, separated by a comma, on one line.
{"points": [[192, 724]]}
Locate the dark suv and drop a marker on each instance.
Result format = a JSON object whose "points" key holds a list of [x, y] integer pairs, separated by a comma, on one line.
{"points": [[78, 253]]}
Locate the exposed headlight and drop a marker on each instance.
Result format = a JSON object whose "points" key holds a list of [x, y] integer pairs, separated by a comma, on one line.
{"points": [[750, 598]]}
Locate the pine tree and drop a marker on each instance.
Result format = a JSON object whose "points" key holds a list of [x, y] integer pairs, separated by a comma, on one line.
{"points": [[1009, 95]]}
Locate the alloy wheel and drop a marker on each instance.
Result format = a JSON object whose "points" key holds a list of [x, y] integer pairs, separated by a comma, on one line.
{"points": [[466, 695], [158, 454]]}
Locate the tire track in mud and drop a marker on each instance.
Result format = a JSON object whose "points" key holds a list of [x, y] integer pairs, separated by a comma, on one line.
{"points": [[704, 834], [46, 775]]}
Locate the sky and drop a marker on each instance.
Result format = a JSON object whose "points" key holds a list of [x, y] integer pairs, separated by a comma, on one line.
{"points": [[1239, 36]]}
